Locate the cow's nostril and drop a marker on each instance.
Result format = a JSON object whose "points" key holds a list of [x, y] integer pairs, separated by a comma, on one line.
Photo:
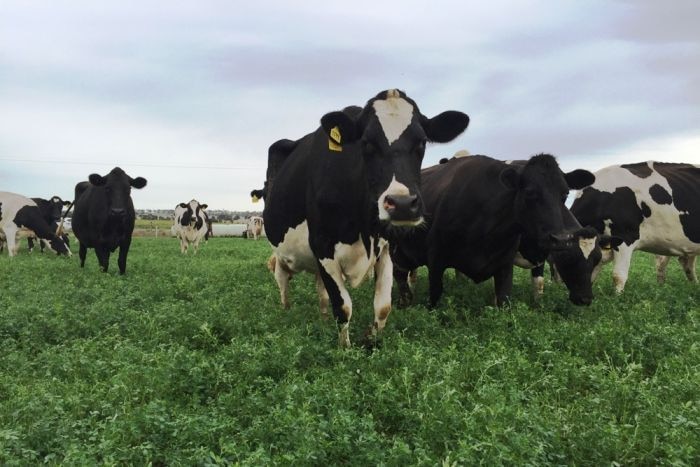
{"points": [[389, 202]]}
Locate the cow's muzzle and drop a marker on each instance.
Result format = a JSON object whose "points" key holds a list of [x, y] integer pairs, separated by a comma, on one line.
{"points": [[118, 212], [403, 209]]}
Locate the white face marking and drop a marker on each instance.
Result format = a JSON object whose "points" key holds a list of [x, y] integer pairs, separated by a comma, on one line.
{"points": [[587, 245], [395, 115]]}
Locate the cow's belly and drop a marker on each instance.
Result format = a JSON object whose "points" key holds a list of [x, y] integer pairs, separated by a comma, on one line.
{"points": [[354, 260], [294, 250], [662, 234]]}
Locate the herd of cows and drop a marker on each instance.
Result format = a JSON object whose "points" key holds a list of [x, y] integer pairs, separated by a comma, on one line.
{"points": [[350, 200]]}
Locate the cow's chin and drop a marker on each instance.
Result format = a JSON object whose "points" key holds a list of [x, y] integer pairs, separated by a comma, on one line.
{"points": [[407, 223]]}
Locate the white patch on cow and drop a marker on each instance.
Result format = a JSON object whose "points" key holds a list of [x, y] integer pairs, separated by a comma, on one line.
{"points": [[294, 251], [538, 286], [587, 245], [11, 203], [394, 114], [462, 153]]}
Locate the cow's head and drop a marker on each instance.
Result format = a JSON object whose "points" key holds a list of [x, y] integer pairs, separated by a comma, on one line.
{"points": [[58, 245], [117, 188], [192, 214], [578, 256], [56, 205], [541, 189], [392, 134]]}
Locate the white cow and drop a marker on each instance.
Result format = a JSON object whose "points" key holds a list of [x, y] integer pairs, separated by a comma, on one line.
{"points": [[254, 227], [190, 224]]}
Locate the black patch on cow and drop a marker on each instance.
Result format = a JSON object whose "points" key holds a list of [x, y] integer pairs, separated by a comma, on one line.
{"points": [[594, 206], [660, 195], [646, 210], [0, 211], [684, 180], [640, 169]]}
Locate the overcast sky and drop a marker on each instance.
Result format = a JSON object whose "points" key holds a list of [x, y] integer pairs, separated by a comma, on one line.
{"points": [[190, 94]]}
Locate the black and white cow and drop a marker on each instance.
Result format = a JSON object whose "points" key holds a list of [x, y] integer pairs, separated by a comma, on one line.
{"points": [[652, 206], [687, 263], [254, 227], [480, 209], [103, 216], [337, 195], [19, 214], [190, 224], [51, 210]]}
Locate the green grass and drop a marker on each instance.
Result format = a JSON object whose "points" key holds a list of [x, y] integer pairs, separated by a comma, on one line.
{"points": [[190, 361]]}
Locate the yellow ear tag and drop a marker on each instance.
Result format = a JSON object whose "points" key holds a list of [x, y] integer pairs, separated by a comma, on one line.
{"points": [[255, 199], [334, 140]]}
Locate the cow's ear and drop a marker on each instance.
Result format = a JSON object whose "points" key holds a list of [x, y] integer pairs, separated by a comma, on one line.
{"points": [[66, 203], [138, 182], [203, 206], [97, 179], [446, 126], [607, 242], [339, 127], [579, 179], [510, 178]]}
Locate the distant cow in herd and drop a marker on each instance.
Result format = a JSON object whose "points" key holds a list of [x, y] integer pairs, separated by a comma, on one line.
{"points": [[254, 227], [191, 224], [652, 206], [104, 216], [343, 191], [21, 216]]}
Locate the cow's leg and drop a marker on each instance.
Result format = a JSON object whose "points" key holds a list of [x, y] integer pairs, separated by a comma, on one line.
{"points": [[537, 274], [435, 273], [622, 259], [402, 281], [503, 284], [11, 240], [82, 253], [123, 253], [102, 258], [323, 298], [332, 277], [383, 278], [688, 264], [183, 245], [661, 264], [282, 276], [30, 244]]}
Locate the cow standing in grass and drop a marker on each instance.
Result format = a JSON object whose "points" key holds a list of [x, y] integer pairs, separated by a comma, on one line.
{"points": [[51, 210], [104, 216], [254, 227], [652, 206], [191, 224], [20, 215], [340, 193]]}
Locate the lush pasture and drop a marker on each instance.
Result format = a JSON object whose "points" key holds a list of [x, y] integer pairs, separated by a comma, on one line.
{"points": [[190, 360]]}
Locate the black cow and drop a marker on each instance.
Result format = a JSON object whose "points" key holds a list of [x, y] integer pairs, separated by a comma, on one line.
{"points": [[19, 214], [103, 216], [652, 206], [479, 211], [51, 210], [335, 196]]}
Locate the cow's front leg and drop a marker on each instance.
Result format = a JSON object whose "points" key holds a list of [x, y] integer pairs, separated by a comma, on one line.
{"points": [[405, 293], [622, 259], [102, 257], [332, 277], [11, 239], [123, 252], [82, 253], [383, 277], [323, 299], [537, 274], [503, 284]]}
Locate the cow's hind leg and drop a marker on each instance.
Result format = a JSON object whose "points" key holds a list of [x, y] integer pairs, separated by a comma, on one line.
{"points": [[82, 253], [688, 264], [11, 239], [323, 299], [661, 264], [503, 284], [435, 273], [282, 276], [405, 292], [537, 274], [332, 277]]}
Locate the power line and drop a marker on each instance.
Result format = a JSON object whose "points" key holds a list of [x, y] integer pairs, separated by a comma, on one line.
{"points": [[135, 164]]}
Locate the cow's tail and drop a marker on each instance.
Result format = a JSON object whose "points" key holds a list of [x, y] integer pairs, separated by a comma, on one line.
{"points": [[59, 229]]}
